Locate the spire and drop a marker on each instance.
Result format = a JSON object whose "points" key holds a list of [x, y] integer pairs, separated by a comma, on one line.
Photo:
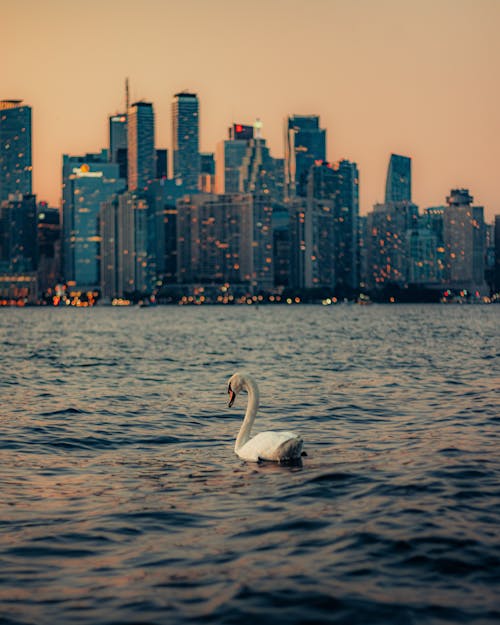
{"points": [[127, 95]]}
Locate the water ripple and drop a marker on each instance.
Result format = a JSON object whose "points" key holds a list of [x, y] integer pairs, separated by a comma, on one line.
{"points": [[123, 501]]}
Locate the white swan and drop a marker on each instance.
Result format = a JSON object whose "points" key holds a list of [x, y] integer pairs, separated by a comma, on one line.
{"points": [[276, 446]]}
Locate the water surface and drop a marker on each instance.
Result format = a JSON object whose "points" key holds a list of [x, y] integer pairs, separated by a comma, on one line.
{"points": [[122, 500]]}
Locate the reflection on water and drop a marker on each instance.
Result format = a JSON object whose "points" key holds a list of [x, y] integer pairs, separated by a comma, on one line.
{"points": [[123, 502]]}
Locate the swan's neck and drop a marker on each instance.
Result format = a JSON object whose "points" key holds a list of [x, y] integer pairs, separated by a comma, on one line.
{"points": [[252, 406]]}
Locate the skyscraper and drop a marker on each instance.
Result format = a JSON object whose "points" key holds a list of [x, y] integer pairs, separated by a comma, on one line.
{"points": [[496, 282], [18, 234], [389, 226], [118, 142], [398, 182], [215, 239], [15, 148], [305, 143], [464, 241], [87, 181], [141, 146], [185, 139], [230, 155], [123, 231]]}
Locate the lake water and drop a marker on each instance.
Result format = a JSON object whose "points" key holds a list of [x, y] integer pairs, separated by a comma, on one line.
{"points": [[122, 500]]}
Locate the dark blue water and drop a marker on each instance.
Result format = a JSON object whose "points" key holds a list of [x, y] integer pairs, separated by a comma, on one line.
{"points": [[122, 500]]}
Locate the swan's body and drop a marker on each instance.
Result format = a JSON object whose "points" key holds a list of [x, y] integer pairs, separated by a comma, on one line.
{"points": [[275, 446]]}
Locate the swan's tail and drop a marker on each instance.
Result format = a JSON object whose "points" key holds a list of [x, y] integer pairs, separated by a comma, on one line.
{"points": [[290, 450]]}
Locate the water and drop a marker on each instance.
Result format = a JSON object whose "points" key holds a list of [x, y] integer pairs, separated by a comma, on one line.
{"points": [[122, 500]]}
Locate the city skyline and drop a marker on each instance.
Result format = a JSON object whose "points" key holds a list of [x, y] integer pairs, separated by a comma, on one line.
{"points": [[385, 76]]}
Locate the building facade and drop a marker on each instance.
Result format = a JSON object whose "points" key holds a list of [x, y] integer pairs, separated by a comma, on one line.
{"points": [[305, 143], [464, 242], [398, 181], [15, 149], [124, 254], [215, 239], [87, 182], [141, 146], [118, 142], [185, 139]]}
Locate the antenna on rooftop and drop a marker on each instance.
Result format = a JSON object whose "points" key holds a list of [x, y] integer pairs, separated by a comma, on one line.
{"points": [[127, 95]]}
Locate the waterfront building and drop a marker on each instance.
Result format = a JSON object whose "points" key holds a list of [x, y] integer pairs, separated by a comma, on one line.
{"points": [[464, 242], [215, 239], [363, 256], [185, 139], [423, 267], [433, 220], [118, 142], [398, 181], [49, 246], [18, 234], [18, 248], [15, 149], [387, 247], [141, 146], [305, 143], [496, 283], [325, 242], [162, 197], [87, 182], [124, 233], [489, 256], [346, 217], [281, 245]]}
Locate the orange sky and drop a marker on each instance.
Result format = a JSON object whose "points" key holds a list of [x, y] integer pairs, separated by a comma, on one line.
{"points": [[415, 77]]}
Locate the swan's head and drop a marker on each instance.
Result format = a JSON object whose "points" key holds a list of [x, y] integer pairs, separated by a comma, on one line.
{"points": [[237, 383]]}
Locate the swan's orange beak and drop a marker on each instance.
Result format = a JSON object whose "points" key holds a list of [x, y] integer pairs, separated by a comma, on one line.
{"points": [[232, 396]]}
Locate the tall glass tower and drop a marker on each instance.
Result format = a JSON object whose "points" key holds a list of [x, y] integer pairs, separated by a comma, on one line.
{"points": [[15, 148], [118, 142], [305, 143], [141, 146], [185, 139], [398, 183], [88, 181]]}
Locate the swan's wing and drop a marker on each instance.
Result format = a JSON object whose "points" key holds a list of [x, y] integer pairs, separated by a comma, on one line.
{"points": [[267, 446]]}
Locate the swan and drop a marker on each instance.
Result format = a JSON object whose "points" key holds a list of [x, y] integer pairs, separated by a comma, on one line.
{"points": [[275, 446]]}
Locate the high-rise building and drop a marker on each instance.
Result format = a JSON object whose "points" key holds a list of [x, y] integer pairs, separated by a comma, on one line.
{"points": [[18, 235], [123, 232], [215, 238], [118, 142], [325, 242], [230, 155], [387, 243], [305, 143], [258, 170], [464, 241], [185, 139], [15, 149], [161, 164], [207, 172], [433, 220], [423, 266], [49, 246], [398, 182], [496, 280], [87, 182], [141, 146]]}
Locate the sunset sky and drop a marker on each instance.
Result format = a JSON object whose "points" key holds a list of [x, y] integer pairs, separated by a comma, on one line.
{"points": [[414, 77]]}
